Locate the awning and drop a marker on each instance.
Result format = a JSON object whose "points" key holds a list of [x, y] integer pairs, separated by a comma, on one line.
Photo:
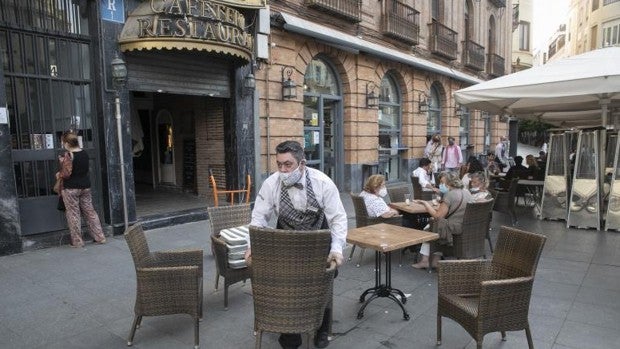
{"points": [[304, 27], [146, 29]]}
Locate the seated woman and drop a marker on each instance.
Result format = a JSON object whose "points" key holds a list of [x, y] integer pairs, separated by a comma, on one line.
{"points": [[448, 217], [493, 166], [473, 165], [533, 171], [478, 187], [373, 194]]}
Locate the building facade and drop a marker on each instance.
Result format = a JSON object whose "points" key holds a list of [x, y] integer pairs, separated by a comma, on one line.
{"points": [[522, 20], [361, 83]]}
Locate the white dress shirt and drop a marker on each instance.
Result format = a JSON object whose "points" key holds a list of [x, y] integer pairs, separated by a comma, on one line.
{"points": [[267, 205], [423, 177]]}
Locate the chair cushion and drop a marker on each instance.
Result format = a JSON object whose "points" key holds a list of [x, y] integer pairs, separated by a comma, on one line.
{"points": [[236, 242], [235, 236]]}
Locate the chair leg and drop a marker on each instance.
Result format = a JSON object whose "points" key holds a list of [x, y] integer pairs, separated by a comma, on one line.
{"points": [[217, 280], [503, 336], [438, 329], [488, 237], [528, 334], [225, 296], [259, 337], [308, 339], [359, 261], [200, 301], [196, 332], [132, 333], [479, 344], [351, 254]]}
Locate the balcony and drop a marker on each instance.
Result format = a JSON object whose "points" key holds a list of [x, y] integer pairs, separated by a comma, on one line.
{"points": [[442, 40], [401, 22], [473, 55], [498, 3], [350, 10], [496, 65]]}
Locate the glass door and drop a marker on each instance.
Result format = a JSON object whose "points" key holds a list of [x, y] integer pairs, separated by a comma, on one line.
{"points": [[320, 134]]}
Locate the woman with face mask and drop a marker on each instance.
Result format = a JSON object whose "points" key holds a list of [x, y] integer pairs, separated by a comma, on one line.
{"points": [[373, 194], [478, 187], [448, 216]]}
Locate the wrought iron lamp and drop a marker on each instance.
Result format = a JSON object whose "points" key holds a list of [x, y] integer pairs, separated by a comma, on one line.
{"points": [[249, 82], [423, 103], [289, 89], [459, 110], [119, 78], [372, 99]]}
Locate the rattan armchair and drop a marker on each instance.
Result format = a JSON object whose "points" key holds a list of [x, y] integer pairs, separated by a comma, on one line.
{"points": [[418, 193], [168, 282], [222, 218], [362, 219], [290, 283], [505, 200], [475, 230], [487, 296], [397, 194]]}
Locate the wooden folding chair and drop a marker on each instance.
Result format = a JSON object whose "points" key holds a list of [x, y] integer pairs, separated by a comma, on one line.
{"points": [[230, 193]]}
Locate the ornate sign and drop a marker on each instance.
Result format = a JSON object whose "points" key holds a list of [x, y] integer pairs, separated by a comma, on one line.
{"points": [[243, 3], [188, 24]]}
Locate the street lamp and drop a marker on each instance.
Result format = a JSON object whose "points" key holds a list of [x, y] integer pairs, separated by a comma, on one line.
{"points": [[119, 78]]}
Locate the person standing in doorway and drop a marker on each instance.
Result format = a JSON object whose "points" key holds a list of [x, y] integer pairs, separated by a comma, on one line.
{"points": [[501, 153], [76, 192], [452, 156], [301, 198]]}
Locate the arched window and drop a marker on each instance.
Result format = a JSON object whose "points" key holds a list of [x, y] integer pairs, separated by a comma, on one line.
{"points": [[389, 128], [434, 112], [323, 120]]}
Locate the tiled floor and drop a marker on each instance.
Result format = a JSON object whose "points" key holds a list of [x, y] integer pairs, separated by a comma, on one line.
{"points": [[83, 298]]}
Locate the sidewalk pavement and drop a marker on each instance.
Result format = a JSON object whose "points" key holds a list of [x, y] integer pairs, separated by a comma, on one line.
{"points": [[64, 297]]}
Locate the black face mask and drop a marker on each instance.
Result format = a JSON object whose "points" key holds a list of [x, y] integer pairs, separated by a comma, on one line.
{"points": [[451, 142]]}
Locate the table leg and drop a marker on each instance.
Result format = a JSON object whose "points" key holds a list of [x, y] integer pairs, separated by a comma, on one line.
{"points": [[383, 290]]}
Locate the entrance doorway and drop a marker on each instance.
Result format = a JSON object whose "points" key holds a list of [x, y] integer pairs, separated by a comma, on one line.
{"points": [[163, 134]]}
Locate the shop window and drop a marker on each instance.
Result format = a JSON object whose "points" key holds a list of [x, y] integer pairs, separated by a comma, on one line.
{"points": [[389, 119], [433, 121]]}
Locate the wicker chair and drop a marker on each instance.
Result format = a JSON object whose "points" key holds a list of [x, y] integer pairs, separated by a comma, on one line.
{"points": [[290, 283], [418, 193], [476, 221], [397, 194], [222, 218], [487, 296], [362, 219], [168, 282], [505, 200]]}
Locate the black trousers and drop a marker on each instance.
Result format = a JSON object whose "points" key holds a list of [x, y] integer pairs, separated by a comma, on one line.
{"points": [[294, 339]]}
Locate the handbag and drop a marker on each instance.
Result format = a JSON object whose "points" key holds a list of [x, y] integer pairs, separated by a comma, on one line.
{"points": [[58, 185], [61, 204]]}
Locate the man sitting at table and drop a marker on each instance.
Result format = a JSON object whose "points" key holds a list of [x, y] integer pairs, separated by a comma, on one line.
{"points": [[425, 177], [373, 194]]}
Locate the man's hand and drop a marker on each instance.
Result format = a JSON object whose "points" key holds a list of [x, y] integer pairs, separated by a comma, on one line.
{"points": [[248, 257], [336, 257]]}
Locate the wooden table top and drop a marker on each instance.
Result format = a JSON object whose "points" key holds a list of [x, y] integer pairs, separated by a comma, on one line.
{"points": [[386, 237], [413, 207]]}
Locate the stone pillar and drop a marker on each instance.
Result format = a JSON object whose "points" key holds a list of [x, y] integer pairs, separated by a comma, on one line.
{"points": [[10, 229]]}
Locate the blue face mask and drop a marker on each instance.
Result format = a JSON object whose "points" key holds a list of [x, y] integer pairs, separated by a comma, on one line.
{"points": [[443, 188]]}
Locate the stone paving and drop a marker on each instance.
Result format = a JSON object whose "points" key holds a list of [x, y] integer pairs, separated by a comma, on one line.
{"points": [[63, 297]]}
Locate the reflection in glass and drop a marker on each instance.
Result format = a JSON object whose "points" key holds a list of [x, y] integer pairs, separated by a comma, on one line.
{"points": [[584, 204], [389, 119], [554, 196], [612, 220]]}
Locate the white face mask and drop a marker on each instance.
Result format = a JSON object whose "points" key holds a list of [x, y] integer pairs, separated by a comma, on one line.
{"points": [[290, 178], [382, 192]]}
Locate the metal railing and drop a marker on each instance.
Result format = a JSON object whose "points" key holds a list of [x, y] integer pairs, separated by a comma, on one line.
{"points": [[402, 22], [496, 65], [350, 10], [473, 55], [498, 3], [442, 40]]}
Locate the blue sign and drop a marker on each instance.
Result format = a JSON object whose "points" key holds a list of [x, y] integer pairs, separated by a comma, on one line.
{"points": [[113, 10]]}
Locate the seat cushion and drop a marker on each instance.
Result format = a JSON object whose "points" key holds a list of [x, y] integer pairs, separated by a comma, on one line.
{"points": [[235, 236], [461, 306]]}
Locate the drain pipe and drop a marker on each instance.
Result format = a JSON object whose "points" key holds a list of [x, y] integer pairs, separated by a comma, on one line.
{"points": [[119, 136]]}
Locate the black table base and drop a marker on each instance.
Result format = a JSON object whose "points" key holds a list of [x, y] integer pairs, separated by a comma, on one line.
{"points": [[383, 290]]}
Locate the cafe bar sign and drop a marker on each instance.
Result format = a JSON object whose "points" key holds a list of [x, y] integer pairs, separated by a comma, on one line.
{"points": [[189, 24]]}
